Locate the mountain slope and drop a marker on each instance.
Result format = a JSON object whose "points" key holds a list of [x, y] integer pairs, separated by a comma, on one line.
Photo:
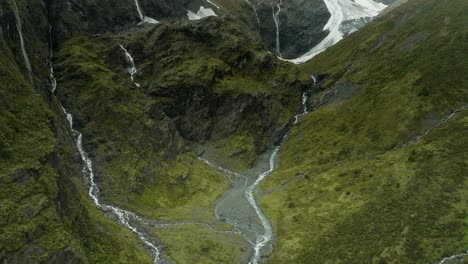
{"points": [[377, 173], [203, 87], [45, 215]]}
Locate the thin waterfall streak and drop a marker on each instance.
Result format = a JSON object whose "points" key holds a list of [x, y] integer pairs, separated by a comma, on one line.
{"points": [[124, 217], [19, 28], [53, 81], [132, 70], [277, 23], [140, 14], [219, 168], [213, 3], [143, 18], [457, 256]]}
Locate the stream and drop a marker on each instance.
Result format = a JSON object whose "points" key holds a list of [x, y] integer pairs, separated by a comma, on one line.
{"points": [[276, 18], [238, 207], [126, 218], [19, 28]]}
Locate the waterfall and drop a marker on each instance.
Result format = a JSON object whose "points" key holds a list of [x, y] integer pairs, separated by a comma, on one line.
{"points": [[124, 217], [53, 81], [131, 65], [20, 32], [143, 18], [277, 23], [314, 79], [213, 3]]}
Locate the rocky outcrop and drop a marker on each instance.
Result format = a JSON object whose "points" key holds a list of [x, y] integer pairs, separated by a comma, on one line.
{"points": [[228, 91]]}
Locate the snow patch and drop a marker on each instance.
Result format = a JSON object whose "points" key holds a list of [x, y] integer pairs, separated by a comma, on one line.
{"points": [[150, 20], [202, 13], [346, 17]]}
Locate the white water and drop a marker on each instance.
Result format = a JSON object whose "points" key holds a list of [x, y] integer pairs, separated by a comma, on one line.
{"points": [[277, 23], [144, 19], [219, 168], [202, 13], [132, 70], [448, 260], [19, 28], [213, 3], [53, 81], [267, 236], [341, 11], [124, 217]]}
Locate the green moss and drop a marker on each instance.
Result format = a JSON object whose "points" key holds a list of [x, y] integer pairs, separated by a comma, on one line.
{"points": [[359, 201], [189, 243], [190, 194]]}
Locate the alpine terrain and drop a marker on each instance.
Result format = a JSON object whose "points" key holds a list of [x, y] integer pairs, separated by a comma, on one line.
{"points": [[233, 131]]}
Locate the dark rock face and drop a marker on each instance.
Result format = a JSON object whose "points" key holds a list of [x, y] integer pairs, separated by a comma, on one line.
{"points": [[301, 25], [70, 17], [99, 16], [161, 9], [217, 84], [301, 22]]}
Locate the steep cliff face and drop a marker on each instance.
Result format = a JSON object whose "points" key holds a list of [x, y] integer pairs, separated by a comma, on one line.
{"points": [[300, 25]]}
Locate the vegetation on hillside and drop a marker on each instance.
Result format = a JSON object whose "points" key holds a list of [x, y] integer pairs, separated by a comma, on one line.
{"points": [[370, 189]]}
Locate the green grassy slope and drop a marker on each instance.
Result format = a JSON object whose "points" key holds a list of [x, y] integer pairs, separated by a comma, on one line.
{"points": [[45, 216], [362, 195]]}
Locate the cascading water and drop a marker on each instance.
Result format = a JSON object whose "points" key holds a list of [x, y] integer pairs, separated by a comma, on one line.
{"points": [[238, 206], [143, 18], [132, 70], [454, 259], [267, 236], [277, 23], [52, 79], [19, 28], [124, 217]]}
